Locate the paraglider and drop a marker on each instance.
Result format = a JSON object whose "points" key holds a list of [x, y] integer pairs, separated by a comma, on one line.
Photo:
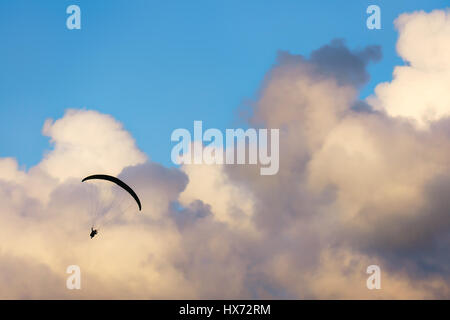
{"points": [[117, 181], [108, 200]]}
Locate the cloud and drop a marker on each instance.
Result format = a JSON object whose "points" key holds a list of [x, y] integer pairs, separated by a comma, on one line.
{"points": [[345, 66], [355, 188], [419, 89], [231, 203], [82, 147]]}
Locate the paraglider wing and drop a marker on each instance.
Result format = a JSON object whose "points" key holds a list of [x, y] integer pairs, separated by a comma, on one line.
{"points": [[117, 181]]}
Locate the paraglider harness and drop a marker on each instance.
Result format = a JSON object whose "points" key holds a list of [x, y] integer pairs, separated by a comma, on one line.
{"points": [[93, 232]]}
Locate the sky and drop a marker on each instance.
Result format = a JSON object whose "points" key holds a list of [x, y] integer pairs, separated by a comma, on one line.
{"points": [[364, 139], [159, 66]]}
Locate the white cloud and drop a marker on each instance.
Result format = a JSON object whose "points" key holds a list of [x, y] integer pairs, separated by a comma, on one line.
{"points": [[86, 142], [354, 188], [419, 90]]}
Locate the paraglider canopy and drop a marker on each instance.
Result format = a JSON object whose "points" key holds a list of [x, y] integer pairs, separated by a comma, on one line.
{"points": [[118, 182]]}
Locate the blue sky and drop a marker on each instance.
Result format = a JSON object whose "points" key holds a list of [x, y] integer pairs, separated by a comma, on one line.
{"points": [[159, 66]]}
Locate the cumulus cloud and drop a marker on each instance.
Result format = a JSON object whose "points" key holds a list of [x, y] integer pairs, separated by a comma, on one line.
{"points": [[354, 189], [230, 203], [86, 142], [419, 89]]}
